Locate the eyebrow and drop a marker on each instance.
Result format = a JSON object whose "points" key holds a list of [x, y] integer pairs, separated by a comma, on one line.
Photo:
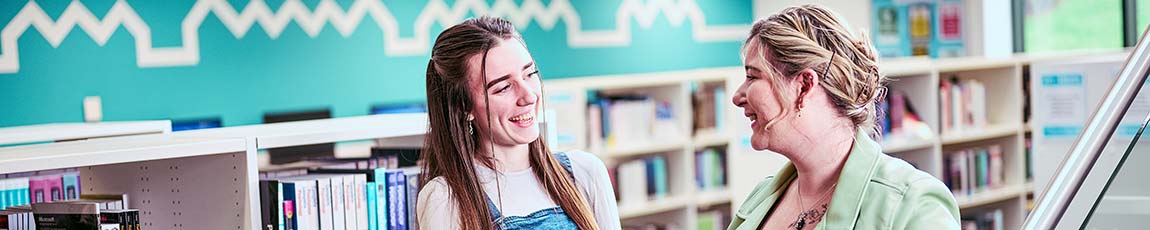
{"points": [[750, 68], [505, 77]]}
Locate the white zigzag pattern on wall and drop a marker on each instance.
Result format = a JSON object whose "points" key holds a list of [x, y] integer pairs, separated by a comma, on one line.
{"points": [[345, 22]]}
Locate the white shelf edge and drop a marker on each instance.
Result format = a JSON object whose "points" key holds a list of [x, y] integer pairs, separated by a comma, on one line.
{"points": [[990, 196], [75, 131], [644, 148], [988, 132], [632, 210], [323, 131], [904, 146], [73, 154], [712, 197], [709, 138]]}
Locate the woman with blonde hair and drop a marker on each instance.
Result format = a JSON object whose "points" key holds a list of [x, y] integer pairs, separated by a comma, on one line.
{"points": [[811, 93]]}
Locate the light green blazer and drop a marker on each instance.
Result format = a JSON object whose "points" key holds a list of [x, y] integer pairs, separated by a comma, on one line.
{"points": [[875, 191]]}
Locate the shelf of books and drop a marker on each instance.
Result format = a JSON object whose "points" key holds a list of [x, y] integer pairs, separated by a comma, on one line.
{"points": [[961, 121], [130, 182], [663, 136], [375, 190], [78, 131], [217, 172]]}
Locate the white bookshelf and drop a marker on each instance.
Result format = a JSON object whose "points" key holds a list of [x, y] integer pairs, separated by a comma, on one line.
{"points": [[178, 180], [79, 131], [175, 182], [919, 78], [681, 206]]}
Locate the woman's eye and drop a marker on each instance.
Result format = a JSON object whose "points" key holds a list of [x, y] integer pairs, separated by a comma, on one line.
{"points": [[533, 74], [502, 89], [749, 77]]}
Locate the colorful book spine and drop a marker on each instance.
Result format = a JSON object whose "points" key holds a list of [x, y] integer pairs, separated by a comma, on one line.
{"points": [[45, 188], [382, 184], [71, 185], [288, 211], [397, 186]]}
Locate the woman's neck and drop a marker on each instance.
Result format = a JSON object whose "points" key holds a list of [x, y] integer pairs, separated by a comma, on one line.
{"points": [[510, 158], [821, 159]]}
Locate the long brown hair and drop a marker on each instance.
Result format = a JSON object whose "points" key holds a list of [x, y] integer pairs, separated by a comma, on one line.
{"points": [[450, 150]]}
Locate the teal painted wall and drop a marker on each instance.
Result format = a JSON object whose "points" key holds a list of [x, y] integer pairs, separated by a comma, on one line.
{"points": [[238, 79]]}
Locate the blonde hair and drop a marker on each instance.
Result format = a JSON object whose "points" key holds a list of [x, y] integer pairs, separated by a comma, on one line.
{"points": [[809, 36]]}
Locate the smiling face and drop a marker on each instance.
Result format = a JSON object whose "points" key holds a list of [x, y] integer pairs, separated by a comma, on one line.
{"points": [[759, 99], [513, 91]]}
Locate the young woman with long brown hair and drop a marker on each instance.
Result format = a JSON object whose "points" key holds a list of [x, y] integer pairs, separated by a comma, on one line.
{"points": [[485, 165]]}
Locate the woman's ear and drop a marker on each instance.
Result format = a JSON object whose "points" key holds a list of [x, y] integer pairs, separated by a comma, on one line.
{"points": [[804, 81], [470, 117]]}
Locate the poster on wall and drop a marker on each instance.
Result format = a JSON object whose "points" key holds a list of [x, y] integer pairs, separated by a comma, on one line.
{"points": [[931, 28]]}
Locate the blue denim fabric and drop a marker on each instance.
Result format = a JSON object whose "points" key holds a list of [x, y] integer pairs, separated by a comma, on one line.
{"points": [[549, 218]]}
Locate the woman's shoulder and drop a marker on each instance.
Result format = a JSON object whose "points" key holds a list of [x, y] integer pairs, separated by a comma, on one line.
{"points": [[435, 189], [902, 175]]}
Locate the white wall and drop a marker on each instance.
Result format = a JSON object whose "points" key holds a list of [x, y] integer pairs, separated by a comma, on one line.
{"points": [[855, 12]]}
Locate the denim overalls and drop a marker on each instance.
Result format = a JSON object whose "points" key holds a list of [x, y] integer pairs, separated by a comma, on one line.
{"points": [[549, 218]]}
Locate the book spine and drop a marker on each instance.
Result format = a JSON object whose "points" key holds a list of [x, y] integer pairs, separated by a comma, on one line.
{"points": [[288, 212], [359, 191], [371, 192], [338, 204], [401, 199], [382, 216], [71, 186]]}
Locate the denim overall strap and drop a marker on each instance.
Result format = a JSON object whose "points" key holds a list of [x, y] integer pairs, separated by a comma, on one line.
{"points": [[549, 218]]}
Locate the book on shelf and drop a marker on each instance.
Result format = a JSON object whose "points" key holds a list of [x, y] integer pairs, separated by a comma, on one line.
{"points": [[87, 211], [628, 120], [713, 220], [974, 170], [710, 169], [900, 121], [963, 105], [642, 179], [707, 103], [66, 215], [347, 195], [993, 220], [39, 188]]}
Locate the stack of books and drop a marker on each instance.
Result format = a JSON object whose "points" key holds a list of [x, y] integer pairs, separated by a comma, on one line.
{"points": [[369, 193], [710, 169], [87, 212], [641, 180], [623, 121], [974, 170], [963, 105], [985, 221]]}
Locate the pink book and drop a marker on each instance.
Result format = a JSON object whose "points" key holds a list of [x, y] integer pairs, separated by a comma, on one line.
{"points": [[45, 188]]}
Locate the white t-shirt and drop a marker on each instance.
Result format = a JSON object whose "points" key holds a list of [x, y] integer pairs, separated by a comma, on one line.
{"points": [[522, 194]]}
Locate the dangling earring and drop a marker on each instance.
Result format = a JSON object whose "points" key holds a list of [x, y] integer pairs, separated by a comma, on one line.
{"points": [[470, 128]]}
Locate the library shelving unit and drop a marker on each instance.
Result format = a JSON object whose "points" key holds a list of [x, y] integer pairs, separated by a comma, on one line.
{"points": [[215, 176], [677, 140], [214, 170], [918, 78], [79, 131]]}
